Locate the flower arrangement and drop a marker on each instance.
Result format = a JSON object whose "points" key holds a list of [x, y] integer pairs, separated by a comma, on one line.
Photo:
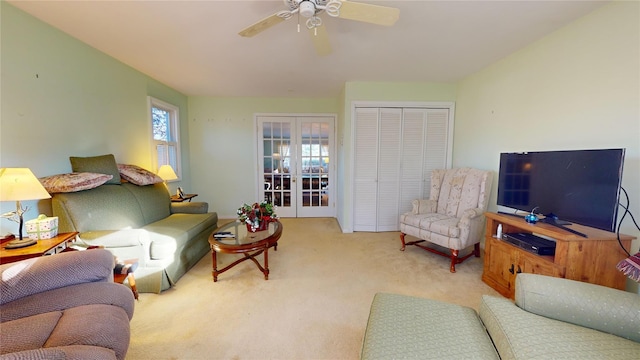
{"points": [[257, 216]]}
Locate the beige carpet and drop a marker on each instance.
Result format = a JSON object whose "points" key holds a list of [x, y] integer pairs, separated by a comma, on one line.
{"points": [[314, 306]]}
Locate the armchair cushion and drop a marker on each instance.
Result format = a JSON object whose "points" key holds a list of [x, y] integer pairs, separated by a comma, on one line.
{"points": [[422, 206], [433, 222]]}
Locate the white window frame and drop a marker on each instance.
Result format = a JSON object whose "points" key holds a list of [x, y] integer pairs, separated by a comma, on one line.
{"points": [[174, 137]]}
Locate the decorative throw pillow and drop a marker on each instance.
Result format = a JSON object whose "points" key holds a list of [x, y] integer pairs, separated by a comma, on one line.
{"points": [[104, 164], [73, 182], [137, 175]]}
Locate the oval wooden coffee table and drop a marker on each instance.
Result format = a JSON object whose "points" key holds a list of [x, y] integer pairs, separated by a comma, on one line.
{"points": [[233, 238]]}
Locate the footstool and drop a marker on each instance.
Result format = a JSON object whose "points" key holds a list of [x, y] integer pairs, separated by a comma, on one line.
{"points": [[409, 327]]}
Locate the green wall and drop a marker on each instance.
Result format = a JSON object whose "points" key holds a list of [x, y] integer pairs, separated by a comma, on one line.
{"points": [[222, 145], [61, 98], [578, 88]]}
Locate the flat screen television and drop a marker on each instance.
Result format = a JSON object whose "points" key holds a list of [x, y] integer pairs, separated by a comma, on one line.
{"points": [[571, 186]]}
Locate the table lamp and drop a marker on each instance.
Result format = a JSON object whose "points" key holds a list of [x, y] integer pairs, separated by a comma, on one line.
{"points": [[166, 173], [19, 184]]}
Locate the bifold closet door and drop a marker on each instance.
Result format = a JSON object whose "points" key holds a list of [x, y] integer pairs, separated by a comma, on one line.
{"points": [[425, 134], [396, 149], [377, 167]]}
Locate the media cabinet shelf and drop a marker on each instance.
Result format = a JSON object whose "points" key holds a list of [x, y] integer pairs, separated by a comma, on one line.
{"points": [[592, 259]]}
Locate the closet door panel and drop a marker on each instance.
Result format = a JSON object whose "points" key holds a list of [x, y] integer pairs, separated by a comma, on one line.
{"points": [[389, 168], [436, 145], [365, 169], [413, 152]]}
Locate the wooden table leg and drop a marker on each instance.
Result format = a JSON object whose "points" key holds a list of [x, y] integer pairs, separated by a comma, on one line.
{"points": [[132, 283], [266, 263], [214, 259]]}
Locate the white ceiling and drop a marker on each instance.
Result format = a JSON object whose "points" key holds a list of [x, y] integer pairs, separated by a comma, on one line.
{"points": [[194, 46]]}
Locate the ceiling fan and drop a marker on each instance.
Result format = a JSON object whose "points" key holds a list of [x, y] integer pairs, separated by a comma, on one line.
{"points": [[310, 9]]}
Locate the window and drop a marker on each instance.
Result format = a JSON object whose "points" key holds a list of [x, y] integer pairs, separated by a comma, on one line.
{"points": [[165, 138]]}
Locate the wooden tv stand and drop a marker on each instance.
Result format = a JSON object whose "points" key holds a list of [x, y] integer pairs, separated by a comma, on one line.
{"points": [[592, 259]]}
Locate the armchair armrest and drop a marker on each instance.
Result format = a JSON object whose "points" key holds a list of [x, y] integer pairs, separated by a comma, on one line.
{"points": [[470, 216], [196, 207], [472, 213], [423, 206], [597, 307], [28, 277]]}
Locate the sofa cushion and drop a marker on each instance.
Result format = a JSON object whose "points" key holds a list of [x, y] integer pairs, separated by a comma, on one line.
{"points": [[601, 308], [405, 327], [104, 164], [72, 182], [153, 200], [137, 175], [173, 232], [518, 334], [107, 207]]}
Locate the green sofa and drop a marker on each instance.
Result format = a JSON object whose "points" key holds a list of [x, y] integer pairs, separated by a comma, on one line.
{"points": [[139, 222], [552, 318]]}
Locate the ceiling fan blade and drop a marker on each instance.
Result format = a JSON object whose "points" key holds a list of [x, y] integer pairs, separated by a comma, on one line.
{"points": [[320, 40], [261, 25], [373, 14]]}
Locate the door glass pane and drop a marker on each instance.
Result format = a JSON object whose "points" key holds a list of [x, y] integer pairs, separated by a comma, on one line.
{"points": [[276, 163], [314, 159]]}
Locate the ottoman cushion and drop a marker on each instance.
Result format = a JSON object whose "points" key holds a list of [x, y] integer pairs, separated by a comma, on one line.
{"points": [[405, 327]]}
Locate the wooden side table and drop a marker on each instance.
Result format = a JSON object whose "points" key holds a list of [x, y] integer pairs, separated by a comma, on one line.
{"points": [[185, 197], [120, 277], [51, 246]]}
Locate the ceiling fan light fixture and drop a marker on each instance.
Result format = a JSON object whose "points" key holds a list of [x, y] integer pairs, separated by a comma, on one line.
{"points": [[307, 8], [333, 8], [314, 22]]}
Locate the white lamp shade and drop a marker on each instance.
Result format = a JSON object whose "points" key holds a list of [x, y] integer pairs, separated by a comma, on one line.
{"points": [[166, 173], [18, 184]]}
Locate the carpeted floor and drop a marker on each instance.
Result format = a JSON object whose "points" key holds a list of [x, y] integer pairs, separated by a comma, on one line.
{"points": [[314, 306]]}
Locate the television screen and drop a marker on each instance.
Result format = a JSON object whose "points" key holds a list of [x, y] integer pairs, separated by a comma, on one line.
{"points": [[576, 186]]}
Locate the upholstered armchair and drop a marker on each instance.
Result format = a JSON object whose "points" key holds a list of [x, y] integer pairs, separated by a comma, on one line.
{"points": [[453, 216]]}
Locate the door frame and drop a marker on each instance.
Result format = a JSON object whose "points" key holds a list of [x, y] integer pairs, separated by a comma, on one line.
{"points": [[259, 181]]}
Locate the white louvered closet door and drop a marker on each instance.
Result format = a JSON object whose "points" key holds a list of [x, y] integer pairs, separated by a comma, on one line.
{"points": [[395, 151], [365, 169], [411, 163], [437, 146], [388, 169]]}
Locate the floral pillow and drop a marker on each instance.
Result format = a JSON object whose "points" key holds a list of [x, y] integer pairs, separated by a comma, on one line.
{"points": [[137, 175], [72, 182]]}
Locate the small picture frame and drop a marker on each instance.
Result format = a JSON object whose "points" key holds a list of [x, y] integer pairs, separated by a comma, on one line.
{"points": [[180, 192]]}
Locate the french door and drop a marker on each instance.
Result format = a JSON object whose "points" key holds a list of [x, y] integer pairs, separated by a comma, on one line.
{"points": [[295, 164]]}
